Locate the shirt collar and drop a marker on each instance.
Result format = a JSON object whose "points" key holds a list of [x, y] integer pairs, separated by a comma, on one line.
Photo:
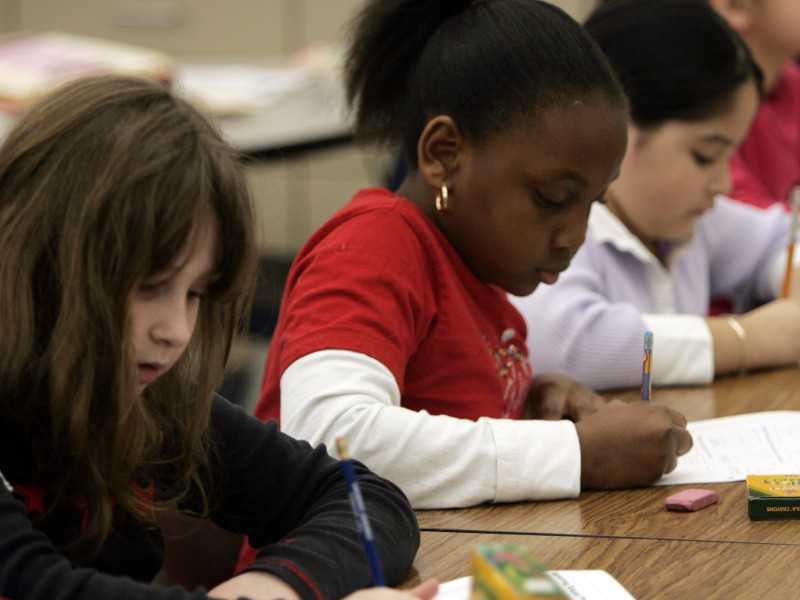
{"points": [[606, 228]]}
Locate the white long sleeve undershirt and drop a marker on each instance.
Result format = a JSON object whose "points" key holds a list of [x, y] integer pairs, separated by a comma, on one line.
{"points": [[439, 461]]}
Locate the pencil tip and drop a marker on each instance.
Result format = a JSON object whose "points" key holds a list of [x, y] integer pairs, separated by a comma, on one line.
{"points": [[341, 447]]}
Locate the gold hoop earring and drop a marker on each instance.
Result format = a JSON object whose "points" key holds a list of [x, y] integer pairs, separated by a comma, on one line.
{"points": [[441, 200]]}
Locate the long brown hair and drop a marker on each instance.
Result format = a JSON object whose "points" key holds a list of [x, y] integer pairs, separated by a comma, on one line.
{"points": [[101, 186]]}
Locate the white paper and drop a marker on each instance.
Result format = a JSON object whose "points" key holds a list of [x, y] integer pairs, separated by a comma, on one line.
{"points": [[730, 448], [578, 585], [239, 88]]}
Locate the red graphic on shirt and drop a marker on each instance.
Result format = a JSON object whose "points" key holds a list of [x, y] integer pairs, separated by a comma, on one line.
{"points": [[33, 496], [514, 370]]}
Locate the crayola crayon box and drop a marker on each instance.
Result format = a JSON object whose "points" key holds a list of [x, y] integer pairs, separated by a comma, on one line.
{"points": [[773, 497], [507, 572]]}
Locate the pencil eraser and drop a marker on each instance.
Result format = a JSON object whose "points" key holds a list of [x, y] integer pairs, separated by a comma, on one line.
{"points": [[689, 500]]}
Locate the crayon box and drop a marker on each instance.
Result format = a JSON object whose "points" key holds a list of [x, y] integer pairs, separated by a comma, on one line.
{"points": [[773, 497], [508, 572]]}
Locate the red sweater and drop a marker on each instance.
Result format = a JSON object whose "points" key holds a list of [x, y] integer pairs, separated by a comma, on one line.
{"points": [[767, 165]]}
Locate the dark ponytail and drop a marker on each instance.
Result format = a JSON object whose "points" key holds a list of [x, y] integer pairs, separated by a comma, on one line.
{"points": [[486, 63]]}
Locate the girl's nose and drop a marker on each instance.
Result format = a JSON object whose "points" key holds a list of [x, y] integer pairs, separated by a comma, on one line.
{"points": [[175, 324], [572, 232], [721, 183]]}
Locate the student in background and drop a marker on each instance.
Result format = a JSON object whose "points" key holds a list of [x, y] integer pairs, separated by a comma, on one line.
{"points": [[128, 258], [664, 240], [766, 167], [395, 328]]}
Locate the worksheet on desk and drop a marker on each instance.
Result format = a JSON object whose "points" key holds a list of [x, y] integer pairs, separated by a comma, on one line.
{"points": [[731, 448], [578, 585]]}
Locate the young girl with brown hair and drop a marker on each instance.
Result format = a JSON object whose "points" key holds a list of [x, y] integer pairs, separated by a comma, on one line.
{"points": [[129, 253]]}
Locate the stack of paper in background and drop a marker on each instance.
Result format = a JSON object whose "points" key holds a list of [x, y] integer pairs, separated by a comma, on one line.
{"points": [[242, 88], [231, 89], [32, 64]]}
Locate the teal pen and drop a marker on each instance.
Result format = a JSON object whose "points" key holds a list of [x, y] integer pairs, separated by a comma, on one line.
{"points": [[360, 513], [647, 364]]}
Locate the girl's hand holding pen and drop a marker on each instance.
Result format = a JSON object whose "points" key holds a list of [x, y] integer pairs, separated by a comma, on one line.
{"points": [[554, 396], [627, 445], [622, 445]]}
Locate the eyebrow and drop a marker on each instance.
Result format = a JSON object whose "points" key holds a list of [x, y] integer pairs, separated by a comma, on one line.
{"points": [[557, 175], [209, 276], [717, 139]]}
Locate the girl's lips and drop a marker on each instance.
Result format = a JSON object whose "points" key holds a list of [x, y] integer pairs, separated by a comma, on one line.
{"points": [[148, 373], [548, 277]]}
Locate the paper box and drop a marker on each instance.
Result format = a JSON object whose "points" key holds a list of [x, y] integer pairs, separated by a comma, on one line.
{"points": [[773, 496], [508, 572]]}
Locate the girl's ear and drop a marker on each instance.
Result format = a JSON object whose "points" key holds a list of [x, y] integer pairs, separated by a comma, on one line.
{"points": [[439, 151], [740, 14]]}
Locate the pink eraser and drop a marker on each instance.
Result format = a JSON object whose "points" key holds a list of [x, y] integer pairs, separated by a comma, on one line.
{"points": [[689, 500]]}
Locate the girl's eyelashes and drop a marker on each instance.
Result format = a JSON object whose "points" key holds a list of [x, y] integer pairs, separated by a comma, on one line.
{"points": [[701, 159], [551, 204], [156, 286], [151, 286], [546, 202]]}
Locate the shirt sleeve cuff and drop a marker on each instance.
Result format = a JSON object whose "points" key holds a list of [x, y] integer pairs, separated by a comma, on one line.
{"points": [[536, 460], [683, 349]]}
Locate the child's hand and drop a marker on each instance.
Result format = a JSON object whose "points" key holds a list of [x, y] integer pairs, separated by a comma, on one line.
{"points": [[555, 396], [424, 591], [263, 586], [630, 445], [255, 585]]}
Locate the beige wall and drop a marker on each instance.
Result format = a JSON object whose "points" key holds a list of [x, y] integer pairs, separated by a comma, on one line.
{"points": [[227, 27], [295, 196], [218, 27], [9, 18]]}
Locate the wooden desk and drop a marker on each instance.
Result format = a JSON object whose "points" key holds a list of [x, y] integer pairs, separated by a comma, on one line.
{"points": [[776, 389], [648, 569], [640, 513]]}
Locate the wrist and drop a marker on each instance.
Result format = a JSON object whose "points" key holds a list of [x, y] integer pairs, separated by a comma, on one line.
{"points": [[741, 341]]}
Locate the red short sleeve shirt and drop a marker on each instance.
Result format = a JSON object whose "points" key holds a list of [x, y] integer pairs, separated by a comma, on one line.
{"points": [[380, 279]]}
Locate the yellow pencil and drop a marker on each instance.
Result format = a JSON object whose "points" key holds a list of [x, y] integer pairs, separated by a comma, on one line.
{"points": [[787, 278]]}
